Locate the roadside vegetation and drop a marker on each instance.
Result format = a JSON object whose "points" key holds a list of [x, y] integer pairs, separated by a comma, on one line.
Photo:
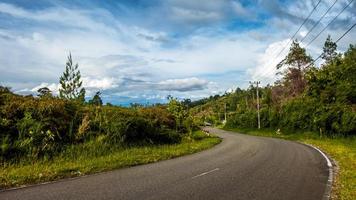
{"points": [[46, 137], [308, 103], [306, 97], [98, 156]]}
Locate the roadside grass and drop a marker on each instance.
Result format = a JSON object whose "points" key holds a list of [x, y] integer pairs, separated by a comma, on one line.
{"points": [[341, 149], [95, 157]]}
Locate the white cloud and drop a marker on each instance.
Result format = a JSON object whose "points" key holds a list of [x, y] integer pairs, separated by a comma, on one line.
{"points": [[60, 15], [182, 85], [210, 54], [130, 59], [15, 11], [265, 70], [303, 33], [189, 14], [195, 15], [51, 86], [242, 11], [91, 85], [99, 84]]}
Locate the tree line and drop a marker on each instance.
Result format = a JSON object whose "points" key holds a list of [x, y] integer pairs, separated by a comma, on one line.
{"points": [[305, 97]]}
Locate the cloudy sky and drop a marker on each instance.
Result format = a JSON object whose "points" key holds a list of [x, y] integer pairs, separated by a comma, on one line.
{"points": [[143, 50]]}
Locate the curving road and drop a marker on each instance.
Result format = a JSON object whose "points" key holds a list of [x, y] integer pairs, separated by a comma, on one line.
{"points": [[241, 167]]}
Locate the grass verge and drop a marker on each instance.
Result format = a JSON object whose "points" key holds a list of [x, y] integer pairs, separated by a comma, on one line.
{"points": [[343, 150], [76, 162]]}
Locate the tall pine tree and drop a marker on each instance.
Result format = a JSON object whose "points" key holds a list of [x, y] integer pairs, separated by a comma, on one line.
{"points": [[71, 84], [329, 51], [296, 61]]}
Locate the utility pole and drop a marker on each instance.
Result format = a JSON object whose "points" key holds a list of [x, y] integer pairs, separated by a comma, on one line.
{"points": [[258, 102]]}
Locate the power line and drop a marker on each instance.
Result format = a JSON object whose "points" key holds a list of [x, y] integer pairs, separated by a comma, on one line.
{"points": [[346, 33], [343, 35], [290, 39], [306, 19], [313, 62], [329, 23], [267, 71], [322, 17]]}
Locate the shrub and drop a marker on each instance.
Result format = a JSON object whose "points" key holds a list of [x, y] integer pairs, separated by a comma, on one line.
{"points": [[298, 114], [138, 129], [245, 119], [348, 122], [37, 127]]}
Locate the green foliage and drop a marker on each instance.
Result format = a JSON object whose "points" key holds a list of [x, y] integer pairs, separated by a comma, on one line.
{"points": [[4, 90], [335, 82], [307, 98], [44, 92], [297, 62], [71, 84], [298, 114], [247, 118], [96, 156], [296, 58], [32, 128], [177, 109], [329, 51], [35, 127], [96, 99], [43, 127]]}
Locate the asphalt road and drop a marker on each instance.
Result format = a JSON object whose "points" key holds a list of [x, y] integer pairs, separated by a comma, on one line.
{"points": [[241, 167]]}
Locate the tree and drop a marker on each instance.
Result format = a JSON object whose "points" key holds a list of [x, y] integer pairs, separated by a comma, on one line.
{"points": [[96, 99], [335, 82], [297, 62], [187, 102], [136, 105], [329, 51], [268, 97], [71, 84], [4, 89], [44, 92], [296, 58], [178, 111]]}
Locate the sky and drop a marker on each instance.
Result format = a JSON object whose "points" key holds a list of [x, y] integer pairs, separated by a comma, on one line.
{"points": [[137, 51]]}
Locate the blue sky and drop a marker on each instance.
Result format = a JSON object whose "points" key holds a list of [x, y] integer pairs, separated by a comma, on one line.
{"points": [[142, 51]]}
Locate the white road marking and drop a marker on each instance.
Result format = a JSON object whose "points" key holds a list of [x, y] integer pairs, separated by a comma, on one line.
{"points": [[330, 178], [205, 173], [326, 158]]}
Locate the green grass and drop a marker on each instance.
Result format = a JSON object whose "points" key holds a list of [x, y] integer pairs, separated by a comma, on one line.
{"points": [[343, 150], [95, 157]]}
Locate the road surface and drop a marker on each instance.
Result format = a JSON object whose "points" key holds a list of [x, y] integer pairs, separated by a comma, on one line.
{"points": [[241, 167]]}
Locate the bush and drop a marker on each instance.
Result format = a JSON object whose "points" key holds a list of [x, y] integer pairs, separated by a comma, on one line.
{"points": [[159, 116], [36, 127], [298, 114], [348, 122], [139, 129], [42, 127], [336, 119], [245, 119], [199, 135], [301, 113]]}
